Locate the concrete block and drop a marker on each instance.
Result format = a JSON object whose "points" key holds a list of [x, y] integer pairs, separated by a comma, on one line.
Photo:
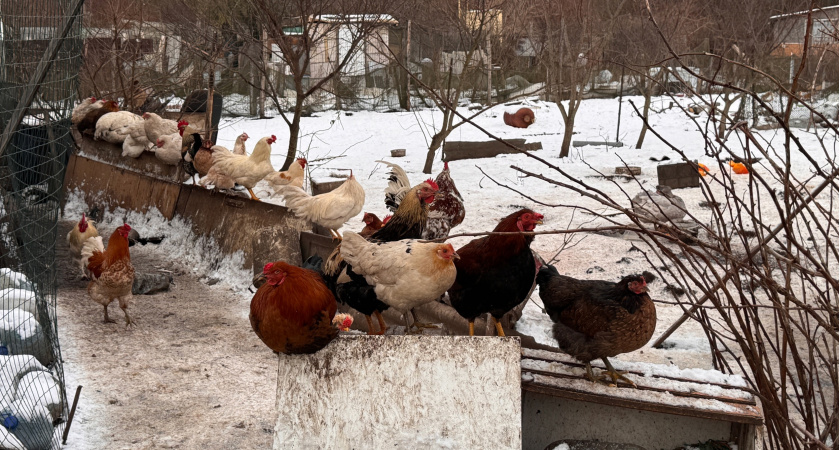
{"points": [[401, 392], [680, 175]]}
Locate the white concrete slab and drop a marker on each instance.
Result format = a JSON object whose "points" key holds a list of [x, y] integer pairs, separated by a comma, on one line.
{"points": [[447, 392]]}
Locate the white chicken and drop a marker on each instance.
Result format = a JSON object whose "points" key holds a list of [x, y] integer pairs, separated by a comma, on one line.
{"points": [[136, 142], [330, 209], [114, 127], [87, 105], [169, 148], [405, 274], [292, 177], [239, 145], [156, 126], [661, 205], [244, 170]]}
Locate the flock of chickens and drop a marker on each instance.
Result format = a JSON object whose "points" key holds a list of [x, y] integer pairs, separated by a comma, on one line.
{"points": [[181, 145], [401, 262]]}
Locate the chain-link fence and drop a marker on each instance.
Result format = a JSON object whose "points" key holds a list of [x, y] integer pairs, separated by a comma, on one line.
{"points": [[38, 84]]}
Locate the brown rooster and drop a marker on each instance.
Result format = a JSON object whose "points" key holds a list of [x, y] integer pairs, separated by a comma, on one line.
{"points": [[496, 272], [520, 119], [372, 224], [111, 272], [598, 319], [293, 312], [447, 211], [88, 123]]}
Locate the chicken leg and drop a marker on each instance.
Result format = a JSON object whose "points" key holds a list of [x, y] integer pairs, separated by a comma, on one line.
{"points": [[472, 327], [420, 325], [498, 325], [253, 197], [382, 327], [108, 319], [129, 322], [335, 235], [614, 375]]}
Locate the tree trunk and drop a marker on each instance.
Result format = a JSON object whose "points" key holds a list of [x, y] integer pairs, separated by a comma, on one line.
{"points": [[294, 126], [648, 93], [437, 141], [569, 122]]}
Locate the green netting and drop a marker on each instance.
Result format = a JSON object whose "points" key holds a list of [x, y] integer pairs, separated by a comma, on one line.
{"points": [[33, 404]]}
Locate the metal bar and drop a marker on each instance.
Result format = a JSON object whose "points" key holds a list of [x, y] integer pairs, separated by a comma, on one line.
{"points": [[38, 77], [70, 417], [827, 182]]}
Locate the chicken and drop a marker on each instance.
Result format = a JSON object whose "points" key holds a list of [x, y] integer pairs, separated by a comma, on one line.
{"points": [[241, 169], [661, 205], [136, 143], [116, 126], [293, 311], [76, 238], [496, 272], [405, 274], [702, 169], [447, 212], [88, 123], [398, 185], [111, 272], [83, 108], [203, 159], [372, 224], [410, 219], [408, 223], [169, 149], [523, 118], [330, 209], [186, 131], [156, 126], [598, 319], [292, 177], [239, 145]]}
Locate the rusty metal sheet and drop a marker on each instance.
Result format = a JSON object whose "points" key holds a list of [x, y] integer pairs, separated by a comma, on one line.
{"points": [[262, 231], [455, 150], [107, 186]]}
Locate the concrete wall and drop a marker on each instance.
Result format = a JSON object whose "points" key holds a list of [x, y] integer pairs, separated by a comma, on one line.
{"points": [[546, 419], [401, 392]]}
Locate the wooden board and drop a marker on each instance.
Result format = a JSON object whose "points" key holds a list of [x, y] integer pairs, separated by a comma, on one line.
{"points": [[681, 396], [455, 150]]}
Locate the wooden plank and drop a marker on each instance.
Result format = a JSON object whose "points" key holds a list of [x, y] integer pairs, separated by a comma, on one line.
{"points": [[316, 244], [455, 150], [527, 354], [751, 414]]}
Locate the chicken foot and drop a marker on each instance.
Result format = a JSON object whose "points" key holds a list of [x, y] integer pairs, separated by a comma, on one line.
{"points": [[129, 322], [253, 197], [472, 327], [420, 325], [498, 325], [613, 375], [108, 319]]}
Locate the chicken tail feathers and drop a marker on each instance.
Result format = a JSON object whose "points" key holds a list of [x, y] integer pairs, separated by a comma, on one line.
{"points": [[92, 251]]}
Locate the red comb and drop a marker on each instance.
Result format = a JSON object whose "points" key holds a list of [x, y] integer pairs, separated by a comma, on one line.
{"points": [[93, 99], [182, 123], [386, 219], [126, 227], [432, 183], [268, 267]]}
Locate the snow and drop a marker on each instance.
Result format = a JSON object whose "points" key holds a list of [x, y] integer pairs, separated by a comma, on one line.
{"points": [[562, 446], [199, 254]]}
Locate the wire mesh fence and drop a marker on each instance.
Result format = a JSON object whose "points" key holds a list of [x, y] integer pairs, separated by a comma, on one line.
{"points": [[33, 403]]}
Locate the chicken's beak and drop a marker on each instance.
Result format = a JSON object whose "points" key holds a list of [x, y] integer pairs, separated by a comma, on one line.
{"points": [[539, 222], [456, 256], [259, 280]]}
